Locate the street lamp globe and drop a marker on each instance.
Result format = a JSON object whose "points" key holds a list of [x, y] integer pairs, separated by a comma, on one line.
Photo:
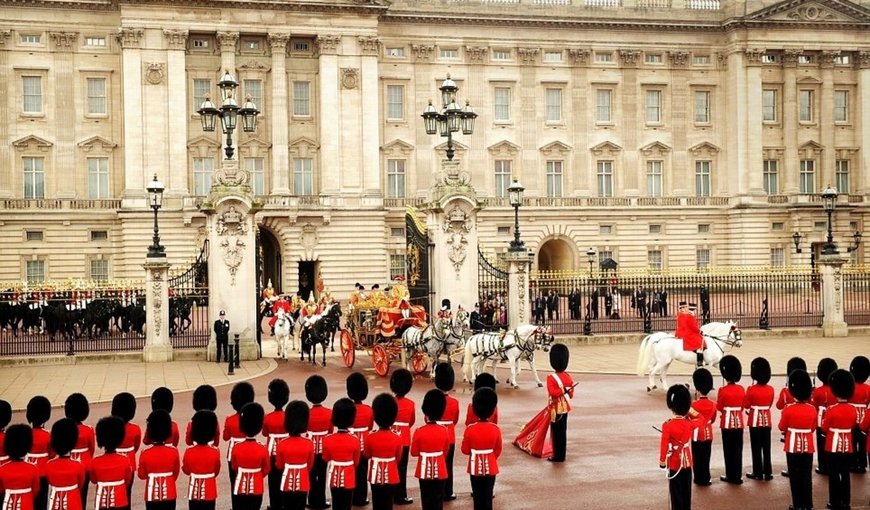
{"points": [[796, 239], [468, 117], [829, 201], [228, 85], [207, 113], [430, 119], [590, 254], [249, 113], [515, 193], [448, 90], [155, 192]]}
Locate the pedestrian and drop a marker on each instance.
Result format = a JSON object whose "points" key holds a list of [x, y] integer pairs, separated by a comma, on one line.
{"points": [[431, 443], [295, 457], [837, 426], [785, 398], [608, 304], [77, 408], [111, 472], [758, 401], [445, 380], [204, 399], [594, 302], [475, 320], [797, 422], [383, 448], [704, 296], [702, 436], [241, 395], [159, 464], [675, 453], [483, 380], [551, 304], [664, 298], [249, 460], [341, 453], [560, 388], [163, 399], [860, 369], [319, 425], [274, 432], [400, 384], [222, 336], [823, 398], [202, 462], [65, 476], [540, 306], [729, 402], [38, 413], [482, 442], [358, 390], [617, 306]]}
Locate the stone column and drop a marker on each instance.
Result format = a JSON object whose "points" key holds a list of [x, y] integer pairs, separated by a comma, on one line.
{"points": [[63, 44], [632, 105], [579, 179], [831, 268], [157, 346], [519, 311], [134, 161], [176, 121], [790, 163], [751, 177], [279, 115], [6, 76], [827, 160], [330, 113], [227, 42], [529, 123], [863, 121], [370, 119]]}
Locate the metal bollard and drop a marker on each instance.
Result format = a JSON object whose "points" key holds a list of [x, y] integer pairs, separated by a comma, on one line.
{"points": [[230, 357], [236, 341]]}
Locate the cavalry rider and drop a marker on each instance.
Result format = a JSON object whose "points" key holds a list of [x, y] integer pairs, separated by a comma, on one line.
{"points": [[269, 297], [309, 311], [282, 304], [689, 331]]}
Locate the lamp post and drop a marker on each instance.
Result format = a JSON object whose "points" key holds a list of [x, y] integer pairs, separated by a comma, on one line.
{"points": [[228, 112], [590, 256], [829, 200], [796, 239], [451, 118], [155, 191], [857, 238], [515, 194]]}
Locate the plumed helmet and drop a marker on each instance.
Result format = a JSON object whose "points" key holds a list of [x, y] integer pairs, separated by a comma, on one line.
{"points": [[795, 363], [703, 380], [401, 382], [241, 394], [679, 400], [38, 410], [434, 403], [385, 409], [124, 406], [357, 387], [64, 434], [316, 389], [343, 413], [203, 426], [483, 403], [799, 385], [204, 398], [18, 441], [559, 357], [860, 368], [825, 368], [77, 407], [251, 419], [159, 426], [110, 433], [296, 417], [162, 398], [279, 393], [842, 384], [730, 368], [445, 377], [484, 380], [5, 414], [759, 370]]}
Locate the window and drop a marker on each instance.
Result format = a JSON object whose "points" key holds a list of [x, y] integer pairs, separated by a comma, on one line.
{"points": [[702, 106], [843, 60], [703, 228], [395, 102], [201, 89], [98, 178], [34, 178], [653, 106], [395, 52], [770, 176], [654, 178], [554, 105], [701, 60], [819, 226], [397, 265], [35, 271], [99, 235], [200, 43], [449, 53], [34, 235], [250, 45], [605, 229], [604, 254], [95, 41], [777, 257], [769, 58], [777, 226], [31, 38], [805, 59], [841, 106], [303, 177], [300, 46], [397, 232], [605, 178], [255, 167], [502, 177], [652, 58], [302, 98], [501, 55], [552, 56], [32, 94], [841, 172], [768, 105], [395, 178], [805, 108], [100, 270], [655, 229], [504, 231], [654, 259], [702, 178], [202, 170], [702, 258], [97, 96], [603, 57], [603, 105], [254, 90], [554, 179], [808, 176], [502, 104]]}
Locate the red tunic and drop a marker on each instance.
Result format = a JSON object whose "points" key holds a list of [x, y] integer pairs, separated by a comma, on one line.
{"points": [[250, 461], [430, 443], [383, 449], [689, 332], [556, 390], [173, 437], [273, 430], [233, 435], [111, 473], [861, 399], [294, 459], [785, 399], [85, 446], [482, 443], [362, 424], [319, 425], [41, 450], [837, 425], [729, 402], [19, 481], [822, 398], [707, 410], [450, 417], [3, 457], [470, 417], [798, 421], [130, 444], [341, 452], [405, 419], [65, 479], [188, 435], [159, 465], [865, 426], [758, 400], [202, 463], [675, 449]]}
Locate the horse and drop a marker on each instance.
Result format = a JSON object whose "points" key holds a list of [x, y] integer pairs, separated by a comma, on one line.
{"points": [[431, 340], [659, 350], [511, 346], [320, 330], [283, 330]]}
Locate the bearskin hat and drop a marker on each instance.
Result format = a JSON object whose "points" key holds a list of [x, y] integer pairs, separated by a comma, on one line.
{"points": [[279, 393], [124, 406], [799, 385], [5, 414], [251, 419], [730, 368], [316, 389], [38, 410], [434, 403], [703, 381], [296, 418], [445, 304], [18, 441], [483, 403], [241, 394], [759, 370], [559, 357], [343, 413], [795, 363], [445, 377], [679, 400], [385, 409], [842, 384], [357, 387], [484, 380], [159, 426], [77, 407], [204, 398], [825, 368], [203, 426], [64, 434], [860, 368], [110, 433], [401, 382], [162, 398]]}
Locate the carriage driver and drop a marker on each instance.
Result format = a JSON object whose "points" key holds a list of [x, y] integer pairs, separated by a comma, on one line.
{"points": [[689, 331]]}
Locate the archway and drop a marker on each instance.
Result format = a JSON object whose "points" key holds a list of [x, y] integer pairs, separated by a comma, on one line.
{"points": [[556, 255], [271, 261]]}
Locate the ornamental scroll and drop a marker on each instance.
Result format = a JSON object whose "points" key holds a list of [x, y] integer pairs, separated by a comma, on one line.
{"points": [[521, 294], [456, 225], [157, 295], [232, 227]]}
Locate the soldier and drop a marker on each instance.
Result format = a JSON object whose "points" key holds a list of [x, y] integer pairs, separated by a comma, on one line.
{"points": [[249, 460], [837, 425], [560, 388], [163, 399], [124, 407], [319, 425], [482, 442], [202, 461], [860, 369], [5, 418], [400, 384], [159, 464], [341, 451], [483, 380], [65, 476], [18, 478], [729, 402], [431, 443], [445, 379], [241, 395], [823, 398], [702, 436], [295, 457], [797, 422], [222, 336], [111, 472], [358, 390], [758, 401], [675, 455], [268, 296], [383, 448], [204, 399], [689, 332], [38, 414], [77, 408], [785, 398], [274, 432], [444, 312]]}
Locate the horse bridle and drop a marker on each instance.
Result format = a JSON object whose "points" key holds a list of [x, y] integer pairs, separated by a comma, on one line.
{"points": [[727, 340]]}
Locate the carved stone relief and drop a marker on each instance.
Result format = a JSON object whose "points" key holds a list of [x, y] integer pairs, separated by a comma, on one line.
{"points": [[129, 37], [457, 224], [422, 51], [63, 41], [369, 45], [155, 72], [349, 78], [232, 227], [328, 44], [579, 55], [157, 298], [476, 53], [176, 39]]}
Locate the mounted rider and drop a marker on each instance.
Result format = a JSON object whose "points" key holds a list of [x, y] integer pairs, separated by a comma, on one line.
{"points": [[689, 331], [281, 304], [269, 297], [445, 312]]}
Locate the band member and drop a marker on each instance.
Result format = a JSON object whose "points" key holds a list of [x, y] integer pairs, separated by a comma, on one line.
{"points": [[702, 436], [758, 401], [38, 413], [785, 397], [689, 331], [111, 472], [77, 408], [400, 384], [482, 443], [274, 432], [560, 389], [222, 336], [358, 390], [18, 478], [204, 399], [319, 425], [5, 418], [483, 380], [249, 460], [159, 464], [823, 398], [163, 399], [341, 453], [295, 456], [241, 395], [837, 425], [729, 402], [383, 448], [65, 476], [202, 462], [860, 369], [445, 379], [797, 422], [430, 443]]}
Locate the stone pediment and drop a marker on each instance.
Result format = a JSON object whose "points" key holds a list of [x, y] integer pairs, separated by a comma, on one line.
{"points": [[555, 149], [814, 11], [458, 147], [504, 149], [655, 149], [201, 141], [303, 147], [706, 149], [254, 147], [255, 142], [32, 142], [809, 80], [606, 149], [97, 142], [397, 148]]}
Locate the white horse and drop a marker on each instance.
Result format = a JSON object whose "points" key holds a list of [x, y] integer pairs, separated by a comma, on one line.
{"points": [[659, 350], [512, 346], [431, 340], [283, 332]]}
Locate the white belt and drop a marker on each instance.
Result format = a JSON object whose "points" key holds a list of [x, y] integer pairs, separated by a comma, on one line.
{"points": [[232, 444], [101, 493], [793, 438], [7, 498], [125, 450], [78, 450], [475, 454], [4, 458], [153, 490], [272, 442], [838, 436], [54, 492], [330, 468], [296, 485], [239, 472], [862, 409], [196, 487], [378, 474], [32, 458], [445, 423], [359, 432], [429, 463], [757, 414], [401, 424], [731, 413]]}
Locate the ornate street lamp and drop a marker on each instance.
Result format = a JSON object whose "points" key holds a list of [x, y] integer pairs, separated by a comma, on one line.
{"points": [[515, 194], [796, 239], [451, 119], [590, 256], [829, 200], [857, 238], [155, 191], [228, 112]]}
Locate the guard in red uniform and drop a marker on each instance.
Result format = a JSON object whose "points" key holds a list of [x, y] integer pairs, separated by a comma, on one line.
{"points": [[445, 379], [383, 449], [363, 422], [295, 457], [249, 460], [483, 380], [65, 476], [5, 418], [482, 443], [785, 398], [560, 388], [445, 312], [860, 369], [758, 401], [281, 304], [19, 480], [702, 437], [675, 453], [111, 472], [159, 464], [204, 399], [124, 407], [430, 443], [38, 413], [797, 422], [241, 395], [689, 331], [274, 432], [729, 402], [319, 425], [823, 398], [400, 384], [341, 453], [77, 408], [837, 425], [202, 462], [163, 399]]}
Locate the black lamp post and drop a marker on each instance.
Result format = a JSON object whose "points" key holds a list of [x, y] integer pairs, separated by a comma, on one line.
{"points": [[451, 118], [857, 238], [515, 194], [829, 200], [590, 255], [796, 239], [228, 112], [155, 191]]}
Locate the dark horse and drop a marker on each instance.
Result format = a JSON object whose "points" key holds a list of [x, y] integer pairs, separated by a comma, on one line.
{"points": [[321, 331]]}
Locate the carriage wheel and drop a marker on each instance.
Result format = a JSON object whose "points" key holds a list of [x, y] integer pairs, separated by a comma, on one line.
{"points": [[419, 363], [347, 349], [381, 360]]}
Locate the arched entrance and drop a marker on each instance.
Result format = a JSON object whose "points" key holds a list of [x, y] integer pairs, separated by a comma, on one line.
{"points": [[556, 255], [271, 262]]}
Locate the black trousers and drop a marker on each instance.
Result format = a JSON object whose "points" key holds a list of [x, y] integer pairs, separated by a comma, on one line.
{"points": [[40, 502], [701, 460], [247, 502], [401, 491], [481, 490], [293, 500], [274, 484], [200, 504], [84, 490], [759, 442], [341, 498], [680, 489], [317, 493], [382, 496], [221, 347], [859, 439], [839, 479], [448, 483], [432, 494], [361, 491], [800, 479], [821, 454], [732, 448], [160, 505], [559, 432]]}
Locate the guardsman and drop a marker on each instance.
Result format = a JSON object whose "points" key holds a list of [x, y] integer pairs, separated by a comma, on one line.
{"points": [[785, 398], [482, 443], [65, 476], [124, 407], [430, 443], [400, 384], [444, 312], [5, 418], [204, 399], [483, 380], [758, 401], [295, 457], [274, 432], [241, 395], [159, 464], [202, 462], [163, 399], [358, 391], [837, 425], [702, 436], [797, 422], [689, 331], [675, 453], [19, 478], [319, 425], [249, 460], [860, 369], [283, 303], [823, 398], [38, 414], [560, 388], [383, 449], [445, 379], [77, 408], [111, 472], [269, 296], [341, 453], [729, 402]]}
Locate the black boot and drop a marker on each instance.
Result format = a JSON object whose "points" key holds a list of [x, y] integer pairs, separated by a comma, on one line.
{"points": [[700, 359]]}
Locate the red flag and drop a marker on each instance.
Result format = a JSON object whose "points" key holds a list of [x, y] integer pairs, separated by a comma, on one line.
{"points": [[533, 438]]}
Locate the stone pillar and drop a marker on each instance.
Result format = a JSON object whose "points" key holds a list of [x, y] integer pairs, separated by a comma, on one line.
{"points": [[862, 118], [63, 44], [330, 113], [751, 179], [370, 118], [790, 163], [6, 76], [176, 121], [825, 171], [134, 162], [279, 115], [831, 268], [519, 311], [157, 346]]}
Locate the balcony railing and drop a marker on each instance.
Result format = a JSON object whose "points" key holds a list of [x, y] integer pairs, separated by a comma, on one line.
{"points": [[59, 203], [401, 203], [703, 5]]}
